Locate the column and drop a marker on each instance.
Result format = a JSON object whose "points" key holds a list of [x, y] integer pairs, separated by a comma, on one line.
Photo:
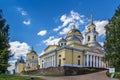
{"points": [[99, 62], [90, 60], [84, 60], [87, 60], [54, 60], [102, 63], [93, 61], [96, 61]]}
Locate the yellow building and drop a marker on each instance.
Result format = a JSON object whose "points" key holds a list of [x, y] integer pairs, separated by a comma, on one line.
{"points": [[30, 64], [31, 61], [71, 51], [19, 65]]}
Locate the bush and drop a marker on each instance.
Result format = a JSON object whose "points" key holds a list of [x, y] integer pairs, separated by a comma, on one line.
{"points": [[117, 75]]}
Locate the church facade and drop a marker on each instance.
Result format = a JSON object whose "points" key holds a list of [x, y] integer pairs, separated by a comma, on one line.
{"points": [[30, 64], [71, 52]]}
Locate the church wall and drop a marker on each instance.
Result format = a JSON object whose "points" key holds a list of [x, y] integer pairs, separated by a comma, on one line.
{"points": [[29, 57], [20, 67], [62, 57], [79, 46], [50, 48], [72, 58], [72, 41]]}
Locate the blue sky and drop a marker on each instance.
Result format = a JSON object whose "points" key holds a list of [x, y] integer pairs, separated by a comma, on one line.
{"points": [[34, 22]]}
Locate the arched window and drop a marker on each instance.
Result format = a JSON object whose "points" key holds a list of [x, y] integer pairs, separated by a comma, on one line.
{"points": [[88, 38], [79, 62], [32, 56], [59, 62], [95, 37], [61, 44], [94, 28]]}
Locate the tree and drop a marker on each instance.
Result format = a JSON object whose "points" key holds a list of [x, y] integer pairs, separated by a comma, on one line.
{"points": [[112, 43], [4, 44]]}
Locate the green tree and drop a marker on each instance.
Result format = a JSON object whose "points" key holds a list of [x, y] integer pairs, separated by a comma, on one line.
{"points": [[4, 44], [112, 43]]}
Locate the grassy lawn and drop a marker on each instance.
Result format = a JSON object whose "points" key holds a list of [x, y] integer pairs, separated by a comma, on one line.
{"points": [[17, 77], [52, 75]]}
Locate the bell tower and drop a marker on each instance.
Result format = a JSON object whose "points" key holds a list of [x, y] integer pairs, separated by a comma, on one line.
{"points": [[91, 36]]}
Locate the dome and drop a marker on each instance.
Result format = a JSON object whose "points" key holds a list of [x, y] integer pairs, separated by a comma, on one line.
{"points": [[62, 40], [73, 38], [21, 60], [95, 44], [75, 32]]}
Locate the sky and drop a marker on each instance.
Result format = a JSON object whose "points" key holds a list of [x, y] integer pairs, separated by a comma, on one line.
{"points": [[39, 23]]}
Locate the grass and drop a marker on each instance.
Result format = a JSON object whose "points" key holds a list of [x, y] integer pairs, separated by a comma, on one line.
{"points": [[17, 77], [52, 75]]}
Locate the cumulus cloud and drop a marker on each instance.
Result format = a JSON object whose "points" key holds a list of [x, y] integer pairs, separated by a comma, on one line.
{"points": [[27, 22], [42, 33], [41, 53], [22, 11], [100, 27], [19, 49], [74, 18], [51, 40]]}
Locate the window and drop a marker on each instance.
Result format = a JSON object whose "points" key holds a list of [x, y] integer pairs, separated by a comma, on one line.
{"points": [[61, 44], [32, 56], [59, 62], [59, 55], [78, 62], [78, 56], [94, 29], [65, 43], [89, 29], [88, 38], [95, 37]]}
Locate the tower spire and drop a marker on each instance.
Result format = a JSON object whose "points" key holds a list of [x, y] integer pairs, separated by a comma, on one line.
{"points": [[91, 19], [32, 49], [74, 27]]}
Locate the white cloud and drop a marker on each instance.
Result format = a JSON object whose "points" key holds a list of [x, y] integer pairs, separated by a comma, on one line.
{"points": [[101, 43], [18, 49], [22, 11], [42, 33], [100, 27], [68, 20], [51, 40], [41, 53], [27, 22]]}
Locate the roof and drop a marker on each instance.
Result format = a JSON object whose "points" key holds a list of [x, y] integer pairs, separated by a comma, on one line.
{"points": [[62, 40], [73, 38], [32, 51], [21, 60], [95, 44]]}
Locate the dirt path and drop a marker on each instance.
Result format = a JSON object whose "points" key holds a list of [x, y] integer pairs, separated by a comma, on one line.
{"points": [[94, 76]]}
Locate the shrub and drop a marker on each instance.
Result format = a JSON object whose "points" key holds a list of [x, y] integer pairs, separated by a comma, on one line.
{"points": [[117, 75]]}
